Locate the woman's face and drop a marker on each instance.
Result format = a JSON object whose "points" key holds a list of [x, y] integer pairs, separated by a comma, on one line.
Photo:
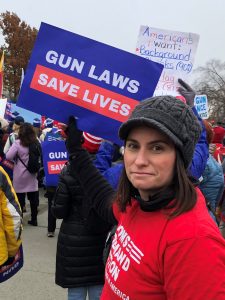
{"points": [[149, 159]]}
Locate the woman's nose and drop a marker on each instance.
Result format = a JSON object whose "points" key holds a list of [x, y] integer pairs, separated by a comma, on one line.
{"points": [[142, 157]]}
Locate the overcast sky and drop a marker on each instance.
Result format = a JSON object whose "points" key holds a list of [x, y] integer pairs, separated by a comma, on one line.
{"points": [[117, 22]]}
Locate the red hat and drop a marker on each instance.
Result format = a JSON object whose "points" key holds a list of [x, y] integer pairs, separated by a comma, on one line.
{"points": [[219, 133], [91, 142]]}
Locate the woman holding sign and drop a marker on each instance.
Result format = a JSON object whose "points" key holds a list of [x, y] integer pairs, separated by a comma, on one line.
{"points": [[166, 245]]}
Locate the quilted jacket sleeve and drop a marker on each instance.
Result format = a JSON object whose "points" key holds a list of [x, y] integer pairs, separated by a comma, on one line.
{"points": [[95, 185], [62, 197]]}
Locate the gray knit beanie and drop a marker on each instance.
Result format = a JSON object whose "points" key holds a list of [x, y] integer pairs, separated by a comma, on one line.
{"points": [[172, 117]]}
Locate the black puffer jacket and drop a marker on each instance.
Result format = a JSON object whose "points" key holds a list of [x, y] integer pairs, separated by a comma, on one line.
{"points": [[81, 238]]}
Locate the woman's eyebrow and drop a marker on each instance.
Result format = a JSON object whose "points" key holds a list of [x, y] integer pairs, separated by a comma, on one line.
{"points": [[151, 142]]}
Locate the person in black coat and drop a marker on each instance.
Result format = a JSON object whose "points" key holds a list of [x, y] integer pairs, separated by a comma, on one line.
{"points": [[81, 240]]}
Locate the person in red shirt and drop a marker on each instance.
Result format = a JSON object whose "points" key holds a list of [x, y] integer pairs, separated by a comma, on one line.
{"points": [[166, 246]]}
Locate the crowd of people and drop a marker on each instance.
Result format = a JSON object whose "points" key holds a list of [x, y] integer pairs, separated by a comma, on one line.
{"points": [[162, 192]]}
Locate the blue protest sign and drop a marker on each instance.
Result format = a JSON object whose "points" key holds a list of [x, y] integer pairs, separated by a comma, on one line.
{"points": [[69, 74], [54, 158]]}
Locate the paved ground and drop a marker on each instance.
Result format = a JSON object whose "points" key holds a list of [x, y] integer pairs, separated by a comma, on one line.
{"points": [[35, 281]]}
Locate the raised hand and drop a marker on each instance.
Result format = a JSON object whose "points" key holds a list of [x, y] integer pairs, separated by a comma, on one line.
{"points": [[74, 138], [187, 92]]}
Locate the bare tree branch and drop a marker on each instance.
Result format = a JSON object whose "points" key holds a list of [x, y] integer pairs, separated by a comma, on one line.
{"points": [[211, 82]]}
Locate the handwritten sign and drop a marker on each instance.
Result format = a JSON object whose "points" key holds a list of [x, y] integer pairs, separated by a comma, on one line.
{"points": [[54, 158], [175, 50], [201, 104], [69, 74]]}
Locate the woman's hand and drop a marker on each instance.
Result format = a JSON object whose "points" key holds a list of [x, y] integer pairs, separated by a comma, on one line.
{"points": [[187, 92], [74, 138]]}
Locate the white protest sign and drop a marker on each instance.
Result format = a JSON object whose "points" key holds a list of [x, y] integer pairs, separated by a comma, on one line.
{"points": [[201, 104], [175, 50], [2, 107]]}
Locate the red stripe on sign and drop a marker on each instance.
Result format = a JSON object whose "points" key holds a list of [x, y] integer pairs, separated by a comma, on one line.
{"points": [[82, 93], [55, 167]]}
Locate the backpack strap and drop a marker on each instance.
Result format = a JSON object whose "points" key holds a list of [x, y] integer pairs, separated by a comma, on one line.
{"points": [[21, 161], [10, 140], [38, 149]]}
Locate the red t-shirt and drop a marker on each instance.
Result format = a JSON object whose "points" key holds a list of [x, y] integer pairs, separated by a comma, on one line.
{"points": [[153, 258]]}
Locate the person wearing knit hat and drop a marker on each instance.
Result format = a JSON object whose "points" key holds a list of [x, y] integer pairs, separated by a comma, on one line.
{"points": [[91, 143], [165, 234], [172, 118]]}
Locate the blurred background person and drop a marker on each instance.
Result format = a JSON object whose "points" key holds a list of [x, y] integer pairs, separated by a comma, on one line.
{"points": [[212, 184], [48, 125], [23, 181], [82, 235], [14, 135]]}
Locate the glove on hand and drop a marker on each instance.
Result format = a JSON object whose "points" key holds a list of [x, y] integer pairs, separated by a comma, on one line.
{"points": [[74, 138], [187, 92]]}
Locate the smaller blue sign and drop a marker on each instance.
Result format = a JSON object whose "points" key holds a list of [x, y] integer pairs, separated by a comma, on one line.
{"points": [[54, 158], [201, 105]]}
